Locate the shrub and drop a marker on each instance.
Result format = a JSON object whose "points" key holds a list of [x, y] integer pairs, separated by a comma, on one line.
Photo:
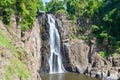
{"points": [[73, 36], [117, 51], [84, 37], [104, 35], [95, 28], [61, 11], [71, 17], [102, 53]]}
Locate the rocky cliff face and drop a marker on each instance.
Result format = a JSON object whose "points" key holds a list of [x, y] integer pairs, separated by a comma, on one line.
{"points": [[83, 56], [20, 52], [32, 45], [75, 56], [74, 51]]}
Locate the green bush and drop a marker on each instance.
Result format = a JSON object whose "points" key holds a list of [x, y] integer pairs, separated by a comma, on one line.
{"points": [[16, 69], [95, 28], [104, 35], [54, 5], [6, 10], [102, 53], [117, 51], [71, 17], [25, 10], [24, 26], [84, 37], [62, 11], [73, 36]]}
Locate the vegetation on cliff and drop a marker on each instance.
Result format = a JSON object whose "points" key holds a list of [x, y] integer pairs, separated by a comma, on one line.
{"points": [[14, 58], [15, 65], [24, 10], [105, 17]]}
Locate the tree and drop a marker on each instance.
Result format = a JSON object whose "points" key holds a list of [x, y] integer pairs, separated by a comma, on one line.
{"points": [[26, 10], [54, 5]]}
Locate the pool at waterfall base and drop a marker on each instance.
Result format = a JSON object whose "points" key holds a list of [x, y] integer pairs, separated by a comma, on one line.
{"points": [[66, 76]]}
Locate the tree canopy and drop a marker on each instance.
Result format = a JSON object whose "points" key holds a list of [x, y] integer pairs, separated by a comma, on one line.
{"points": [[26, 10]]}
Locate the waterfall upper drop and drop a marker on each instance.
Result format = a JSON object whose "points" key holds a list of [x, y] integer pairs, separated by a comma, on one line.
{"points": [[55, 60]]}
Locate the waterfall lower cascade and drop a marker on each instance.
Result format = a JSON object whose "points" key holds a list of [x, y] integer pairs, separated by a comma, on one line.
{"points": [[55, 60]]}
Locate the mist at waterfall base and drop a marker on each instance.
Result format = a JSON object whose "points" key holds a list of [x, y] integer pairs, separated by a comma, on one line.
{"points": [[57, 71]]}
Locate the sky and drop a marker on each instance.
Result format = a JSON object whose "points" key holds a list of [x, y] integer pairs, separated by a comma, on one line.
{"points": [[45, 1]]}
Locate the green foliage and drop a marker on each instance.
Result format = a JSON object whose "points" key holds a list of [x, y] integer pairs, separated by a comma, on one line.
{"points": [[106, 15], [62, 11], [24, 26], [76, 7], [6, 10], [16, 69], [71, 17], [84, 37], [95, 28], [93, 6], [73, 36], [104, 35], [71, 6], [25, 10], [104, 54], [6, 41], [73, 30], [54, 5], [117, 51]]}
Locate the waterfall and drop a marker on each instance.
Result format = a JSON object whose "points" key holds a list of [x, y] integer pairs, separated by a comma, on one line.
{"points": [[55, 60]]}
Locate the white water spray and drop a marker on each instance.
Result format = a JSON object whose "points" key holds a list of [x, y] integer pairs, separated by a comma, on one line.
{"points": [[55, 60]]}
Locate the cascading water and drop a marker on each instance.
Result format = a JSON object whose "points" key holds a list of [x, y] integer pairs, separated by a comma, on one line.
{"points": [[55, 60]]}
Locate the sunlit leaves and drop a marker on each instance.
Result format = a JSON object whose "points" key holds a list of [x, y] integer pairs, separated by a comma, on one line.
{"points": [[54, 5], [26, 10]]}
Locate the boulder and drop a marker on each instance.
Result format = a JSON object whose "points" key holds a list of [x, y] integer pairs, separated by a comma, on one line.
{"points": [[75, 56], [116, 60]]}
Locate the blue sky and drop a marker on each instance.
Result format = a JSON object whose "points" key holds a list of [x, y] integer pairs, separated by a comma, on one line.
{"points": [[45, 1]]}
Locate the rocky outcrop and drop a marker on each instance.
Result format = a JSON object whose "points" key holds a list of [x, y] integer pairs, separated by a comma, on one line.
{"points": [[116, 60], [45, 49], [21, 50], [84, 25], [74, 52], [83, 57], [75, 56], [64, 27], [32, 45]]}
